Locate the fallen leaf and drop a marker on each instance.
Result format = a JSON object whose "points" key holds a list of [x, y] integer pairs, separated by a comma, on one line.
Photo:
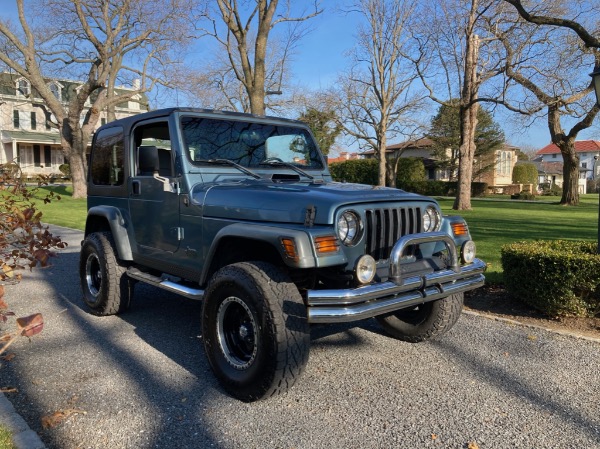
{"points": [[433, 436], [8, 357], [531, 337], [59, 416], [472, 445], [30, 325], [8, 390]]}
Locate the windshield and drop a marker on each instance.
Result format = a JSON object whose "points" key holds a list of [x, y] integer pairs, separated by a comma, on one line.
{"points": [[247, 143]]}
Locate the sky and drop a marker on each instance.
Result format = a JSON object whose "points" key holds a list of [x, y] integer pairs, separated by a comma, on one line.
{"points": [[322, 54]]}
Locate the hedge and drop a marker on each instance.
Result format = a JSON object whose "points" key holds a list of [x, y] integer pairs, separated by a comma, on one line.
{"points": [[365, 171], [556, 277]]}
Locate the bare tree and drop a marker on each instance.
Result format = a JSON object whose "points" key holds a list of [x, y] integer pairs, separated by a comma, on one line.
{"points": [[377, 101], [554, 76], [100, 42], [252, 66], [456, 57], [549, 66]]}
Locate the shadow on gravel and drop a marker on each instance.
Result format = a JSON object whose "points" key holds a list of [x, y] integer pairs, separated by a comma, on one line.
{"points": [[165, 322], [519, 387]]}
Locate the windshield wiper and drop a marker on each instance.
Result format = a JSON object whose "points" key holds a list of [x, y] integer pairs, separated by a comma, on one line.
{"points": [[230, 163], [275, 161]]}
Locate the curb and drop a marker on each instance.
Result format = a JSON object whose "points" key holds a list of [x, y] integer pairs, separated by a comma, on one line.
{"points": [[532, 326], [23, 436]]}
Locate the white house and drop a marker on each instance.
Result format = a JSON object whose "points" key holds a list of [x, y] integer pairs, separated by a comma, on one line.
{"points": [[26, 132], [589, 162]]}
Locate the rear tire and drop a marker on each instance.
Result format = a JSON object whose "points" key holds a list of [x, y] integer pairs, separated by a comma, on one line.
{"points": [[107, 290], [424, 322], [255, 330]]}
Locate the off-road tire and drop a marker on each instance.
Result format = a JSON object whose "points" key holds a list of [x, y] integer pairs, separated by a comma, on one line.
{"points": [[425, 322], [255, 330], [107, 290]]}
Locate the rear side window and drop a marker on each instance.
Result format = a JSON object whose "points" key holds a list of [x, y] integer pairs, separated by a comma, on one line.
{"points": [[107, 164]]}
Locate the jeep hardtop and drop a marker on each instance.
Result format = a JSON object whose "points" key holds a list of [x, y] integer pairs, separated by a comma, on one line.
{"points": [[241, 212]]}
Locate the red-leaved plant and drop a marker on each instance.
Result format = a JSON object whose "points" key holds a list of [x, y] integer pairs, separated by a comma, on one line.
{"points": [[25, 242]]}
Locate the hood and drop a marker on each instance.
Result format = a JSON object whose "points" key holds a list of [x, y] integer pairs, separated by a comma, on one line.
{"points": [[257, 200]]}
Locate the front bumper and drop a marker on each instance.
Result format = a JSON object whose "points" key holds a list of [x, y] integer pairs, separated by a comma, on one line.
{"points": [[345, 305]]}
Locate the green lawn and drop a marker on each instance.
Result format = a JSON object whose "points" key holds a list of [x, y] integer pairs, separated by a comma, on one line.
{"points": [[66, 212], [493, 222]]}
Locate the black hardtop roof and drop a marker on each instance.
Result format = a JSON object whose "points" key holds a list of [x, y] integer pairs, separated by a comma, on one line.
{"points": [[130, 121]]}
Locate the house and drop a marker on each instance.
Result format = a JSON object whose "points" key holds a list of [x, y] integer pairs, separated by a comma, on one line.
{"points": [[343, 157], [494, 169], [550, 163], [27, 134]]}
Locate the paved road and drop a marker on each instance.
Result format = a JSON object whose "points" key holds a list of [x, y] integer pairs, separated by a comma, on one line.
{"points": [[143, 382]]}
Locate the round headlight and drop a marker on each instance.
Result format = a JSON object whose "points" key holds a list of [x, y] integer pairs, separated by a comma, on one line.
{"points": [[467, 252], [431, 219], [366, 267], [349, 228]]}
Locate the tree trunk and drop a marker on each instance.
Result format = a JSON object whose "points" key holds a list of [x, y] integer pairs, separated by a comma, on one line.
{"points": [[468, 117], [570, 191], [382, 142]]}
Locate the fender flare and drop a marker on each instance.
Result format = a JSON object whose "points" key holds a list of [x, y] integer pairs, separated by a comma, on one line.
{"points": [[271, 235], [118, 228]]}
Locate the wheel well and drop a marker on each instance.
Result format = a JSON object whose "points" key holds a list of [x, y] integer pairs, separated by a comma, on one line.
{"points": [[238, 249], [96, 224]]}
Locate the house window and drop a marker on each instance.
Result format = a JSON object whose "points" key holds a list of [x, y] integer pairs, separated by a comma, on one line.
{"points": [[504, 163], [57, 157], [33, 121], [25, 156], [103, 121], [48, 121], [37, 159], [23, 88], [22, 119], [584, 165], [55, 89], [554, 156]]}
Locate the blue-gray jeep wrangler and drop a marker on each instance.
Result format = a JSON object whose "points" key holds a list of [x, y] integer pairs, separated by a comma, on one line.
{"points": [[241, 212]]}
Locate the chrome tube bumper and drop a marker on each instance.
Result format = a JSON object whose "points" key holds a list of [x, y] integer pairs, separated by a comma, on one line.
{"points": [[337, 306]]}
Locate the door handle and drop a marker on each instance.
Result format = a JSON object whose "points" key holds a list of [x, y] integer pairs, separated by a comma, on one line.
{"points": [[136, 187]]}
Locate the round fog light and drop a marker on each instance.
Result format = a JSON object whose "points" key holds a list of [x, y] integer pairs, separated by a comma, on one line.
{"points": [[366, 267], [467, 252]]}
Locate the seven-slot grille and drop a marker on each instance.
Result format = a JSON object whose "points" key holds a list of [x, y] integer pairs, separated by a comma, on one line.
{"points": [[384, 227]]}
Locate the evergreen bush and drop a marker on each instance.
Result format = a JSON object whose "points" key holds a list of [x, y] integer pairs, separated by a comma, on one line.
{"points": [[557, 277]]}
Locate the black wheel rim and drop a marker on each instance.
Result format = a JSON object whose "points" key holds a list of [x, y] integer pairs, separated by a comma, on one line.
{"points": [[236, 332], [93, 275]]}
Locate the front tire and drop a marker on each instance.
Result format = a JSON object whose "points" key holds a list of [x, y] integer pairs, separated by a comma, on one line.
{"points": [[424, 322], [255, 330], [107, 289]]}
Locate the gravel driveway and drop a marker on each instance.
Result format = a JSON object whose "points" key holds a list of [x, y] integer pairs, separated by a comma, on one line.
{"points": [[140, 380]]}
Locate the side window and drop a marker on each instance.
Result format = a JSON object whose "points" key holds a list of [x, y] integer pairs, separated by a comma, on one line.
{"points": [[153, 142], [106, 166]]}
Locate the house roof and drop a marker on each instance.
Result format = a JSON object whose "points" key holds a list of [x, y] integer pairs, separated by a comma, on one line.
{"points": [[581, 146], [28, 136], [424, 142]]}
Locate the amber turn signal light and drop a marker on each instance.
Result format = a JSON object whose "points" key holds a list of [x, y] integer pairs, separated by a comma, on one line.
{"points": [[460, 229], [327, 244]]}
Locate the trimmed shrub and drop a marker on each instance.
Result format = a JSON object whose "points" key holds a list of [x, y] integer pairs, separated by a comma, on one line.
{"points": [[557, 277], [360, 171], [410, 169], [528, 196], [525, 173]]}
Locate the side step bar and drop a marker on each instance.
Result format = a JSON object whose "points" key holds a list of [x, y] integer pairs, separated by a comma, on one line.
{"points": [[165, 284]]}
